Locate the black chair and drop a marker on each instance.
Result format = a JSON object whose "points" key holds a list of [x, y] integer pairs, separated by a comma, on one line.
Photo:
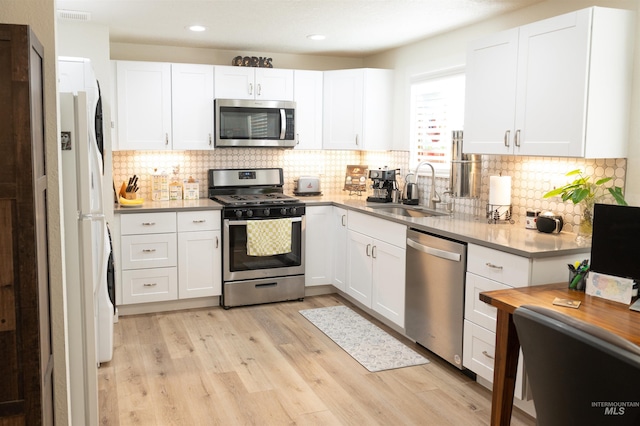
{"points": [[579, 374]]}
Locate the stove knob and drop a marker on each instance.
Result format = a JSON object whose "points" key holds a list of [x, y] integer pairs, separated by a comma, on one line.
{"points": [[293, 210], [238, 213], [267, 212], [249, 213], [283, 211]]}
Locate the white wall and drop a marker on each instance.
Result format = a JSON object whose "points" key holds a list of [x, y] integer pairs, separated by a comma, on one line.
{"points": [[39, 14], [194, 55], [448, 50]]}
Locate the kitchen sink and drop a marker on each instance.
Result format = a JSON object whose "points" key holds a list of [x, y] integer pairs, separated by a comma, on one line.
{"points": [[408, 211]]}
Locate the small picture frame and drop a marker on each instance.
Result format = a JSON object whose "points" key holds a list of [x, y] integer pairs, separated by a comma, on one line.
{"points": [[65, 141]]}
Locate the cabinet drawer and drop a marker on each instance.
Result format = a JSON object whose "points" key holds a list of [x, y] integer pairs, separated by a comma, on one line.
{"points": [[147, 223], [149, 251], [497, 265], [203, 220], [478, 355], [383, 230], [149, 285], [476, 310]]}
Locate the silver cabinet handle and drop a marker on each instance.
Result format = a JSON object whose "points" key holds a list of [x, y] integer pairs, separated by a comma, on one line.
{"points": [[517, 141], [148, 223], [357, 140], [166, 138], [507, 135], [485, 353], [199, 221], [297, 138], [491, 265], [217, 242], [368, 249], [149, 284], [251, 88], [343, 219], [373, 252], [210, 140], [259, 89], [148, 250]]}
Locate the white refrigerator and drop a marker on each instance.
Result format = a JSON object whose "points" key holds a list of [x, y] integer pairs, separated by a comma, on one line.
{"points": [[90, 312]]}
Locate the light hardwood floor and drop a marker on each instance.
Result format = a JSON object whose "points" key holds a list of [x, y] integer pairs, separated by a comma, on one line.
{"points": [[267, 365]]}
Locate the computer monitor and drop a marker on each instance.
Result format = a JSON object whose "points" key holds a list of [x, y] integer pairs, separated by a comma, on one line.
{"points": [[615, 241]]}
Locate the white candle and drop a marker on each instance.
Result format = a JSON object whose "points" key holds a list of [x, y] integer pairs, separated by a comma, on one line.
{"points": [[500, 190]]}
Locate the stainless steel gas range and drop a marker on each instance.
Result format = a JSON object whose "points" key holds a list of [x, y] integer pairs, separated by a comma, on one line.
{"points": [[263, 236]]}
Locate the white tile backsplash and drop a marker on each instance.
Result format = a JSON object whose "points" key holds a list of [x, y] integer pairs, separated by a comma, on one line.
{"points": [[531, 176]]}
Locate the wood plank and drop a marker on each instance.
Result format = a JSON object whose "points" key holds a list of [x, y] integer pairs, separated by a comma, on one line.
{"points": [[267, 364]]}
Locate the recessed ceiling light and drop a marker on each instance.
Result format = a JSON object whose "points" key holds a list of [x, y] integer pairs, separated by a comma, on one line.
{"points": [[196, 28], [316, 37]]}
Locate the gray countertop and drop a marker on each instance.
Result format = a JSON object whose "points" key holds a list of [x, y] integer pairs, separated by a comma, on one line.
{"points": [[510, 238]]}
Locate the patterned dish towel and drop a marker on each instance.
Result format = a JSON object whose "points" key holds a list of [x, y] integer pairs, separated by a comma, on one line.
{"points": [[268, 237]]}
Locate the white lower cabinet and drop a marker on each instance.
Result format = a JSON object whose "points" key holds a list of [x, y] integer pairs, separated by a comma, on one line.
{"points": [[199, 254], [339, 248], [170, 255], [487, 270], [318, 244], [376, 256]]}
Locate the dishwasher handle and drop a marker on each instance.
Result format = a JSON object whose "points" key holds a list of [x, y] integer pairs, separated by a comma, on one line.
{"points": [[456, 257]]}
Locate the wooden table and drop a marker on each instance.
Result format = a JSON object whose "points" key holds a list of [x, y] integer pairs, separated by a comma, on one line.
{"points": [[612, 316]]}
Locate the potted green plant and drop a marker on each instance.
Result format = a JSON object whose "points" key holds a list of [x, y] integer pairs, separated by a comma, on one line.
{"points": [[586, 193]]}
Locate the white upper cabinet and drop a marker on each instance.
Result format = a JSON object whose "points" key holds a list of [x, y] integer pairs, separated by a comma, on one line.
{"points": [[557, 87], [357, 111], [164, 106], [270, 84], [192, 100], [144, 105], [307, 94]]}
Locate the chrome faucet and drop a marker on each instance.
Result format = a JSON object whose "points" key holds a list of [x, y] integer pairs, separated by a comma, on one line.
{"points": [[434, 198]]}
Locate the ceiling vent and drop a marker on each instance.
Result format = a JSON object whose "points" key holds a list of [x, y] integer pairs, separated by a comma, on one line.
{"points": [[75, 15]]}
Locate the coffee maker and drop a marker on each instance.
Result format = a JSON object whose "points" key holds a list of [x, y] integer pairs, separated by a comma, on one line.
{"points": [[384, 185]]}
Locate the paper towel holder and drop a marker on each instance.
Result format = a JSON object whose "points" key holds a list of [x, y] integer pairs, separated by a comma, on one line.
{"points": [[499, 213]]}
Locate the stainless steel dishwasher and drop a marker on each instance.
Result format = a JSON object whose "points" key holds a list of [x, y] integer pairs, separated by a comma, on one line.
{"points": [[434, 308]]}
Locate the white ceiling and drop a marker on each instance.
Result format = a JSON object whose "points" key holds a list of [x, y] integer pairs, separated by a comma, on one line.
{"points": [[354, 28]]}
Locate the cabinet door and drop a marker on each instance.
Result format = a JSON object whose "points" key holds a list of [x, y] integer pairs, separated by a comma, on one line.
{"points": [[340, 248], [377, 110], [359, 260], [318, 245], [234, 82], [199, 264], [490, 93], [274, 84], [144, 105], [342, 111], [308, 96], [552, 85], [388, 281], [192, 97]]}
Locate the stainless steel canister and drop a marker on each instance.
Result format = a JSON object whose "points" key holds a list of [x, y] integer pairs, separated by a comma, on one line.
{"points": [[465, 174]]}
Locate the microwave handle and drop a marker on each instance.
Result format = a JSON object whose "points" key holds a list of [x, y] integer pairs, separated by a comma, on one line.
{"points": [[283, 123]]}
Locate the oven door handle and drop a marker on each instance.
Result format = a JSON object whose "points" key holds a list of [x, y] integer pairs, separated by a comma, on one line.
{"points": [[244, 222]]}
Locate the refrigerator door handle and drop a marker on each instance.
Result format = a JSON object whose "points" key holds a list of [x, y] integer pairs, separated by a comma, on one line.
{"points": [[93, 216]]}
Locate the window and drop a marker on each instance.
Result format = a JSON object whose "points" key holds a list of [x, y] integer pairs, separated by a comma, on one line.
{"points": [[437, 109]]}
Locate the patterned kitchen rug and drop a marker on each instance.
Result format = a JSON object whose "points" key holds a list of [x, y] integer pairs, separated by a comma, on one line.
{"points": [[368, 344]]}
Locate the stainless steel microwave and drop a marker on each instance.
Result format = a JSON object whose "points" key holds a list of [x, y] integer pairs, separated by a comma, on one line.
{"points": [[248, 123]]}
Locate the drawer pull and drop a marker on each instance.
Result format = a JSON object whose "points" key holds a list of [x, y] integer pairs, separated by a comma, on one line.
{"points": [[148, 250], [217, 244], [199, 221], [368, 250], [150, 284], [491, 265], [485, 353], [148, 223]]}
